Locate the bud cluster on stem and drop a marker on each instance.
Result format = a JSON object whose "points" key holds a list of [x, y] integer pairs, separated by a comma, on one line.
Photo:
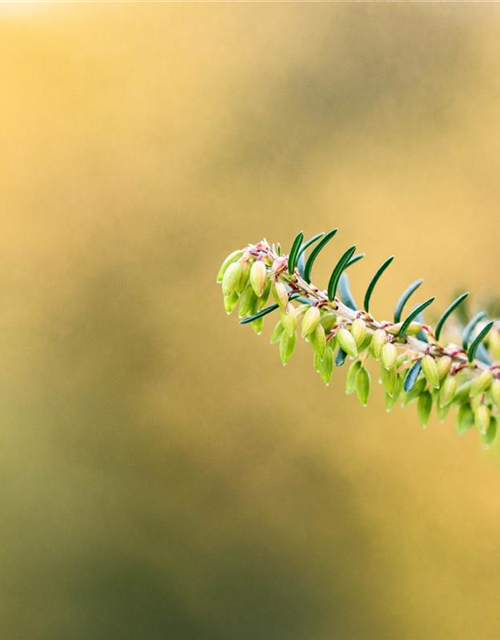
{"points": [[415, 363]]}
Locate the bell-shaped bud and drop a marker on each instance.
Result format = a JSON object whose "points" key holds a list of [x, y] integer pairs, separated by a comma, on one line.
{"points": [[481, 384], [447, 391], [289, 319], [350, 381], [442, 411], [310, 321], [231, 278], [444, 366], [495, 392], [248, 302], [465, 418], [358, 331], [491, 432], [287, 345], [325, 366], [389, 378], [257, 325], [462, 393], [328, 320], [378, 341], [363, 386], [230, 302], [429, 367], [482, 418], [390, 401], [317, 340], [389, 355], [258, 277], [232, 257], [277, 332], [265, 295], [245, 275], [494, 344], [280, 294], [424, 408], [366, 342], [347, 342]]}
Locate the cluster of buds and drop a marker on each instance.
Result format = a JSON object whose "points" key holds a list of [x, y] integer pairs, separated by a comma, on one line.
{"points": [[414, 364]]}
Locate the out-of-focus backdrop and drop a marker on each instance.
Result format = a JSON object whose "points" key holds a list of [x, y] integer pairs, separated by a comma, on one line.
{"points": [[161, 475]]}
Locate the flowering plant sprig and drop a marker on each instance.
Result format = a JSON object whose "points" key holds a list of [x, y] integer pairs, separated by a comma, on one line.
{"points": [[416, 363]]}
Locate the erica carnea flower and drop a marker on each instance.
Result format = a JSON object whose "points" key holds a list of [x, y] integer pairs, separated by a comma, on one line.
{"points": [[415, 363]]}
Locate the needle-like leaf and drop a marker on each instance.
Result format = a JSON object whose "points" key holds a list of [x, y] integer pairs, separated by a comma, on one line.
{"points": [[448, 311], [478, 339], [315, 253], [292, 256], [354, 259], [374, 281], [412, 375], [470, 326], [404, 299], [337, 272], [413, 315], [264, 312]]}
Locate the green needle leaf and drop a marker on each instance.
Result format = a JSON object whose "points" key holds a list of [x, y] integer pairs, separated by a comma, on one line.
{"points": [[413, 315], [292, 257], [315, 253], [404, 299], [448, 311], [301, 256], [337, 272], [412, 375], [470, 326], [340, 357], [374, 281], [345, 292], [477, 341]]}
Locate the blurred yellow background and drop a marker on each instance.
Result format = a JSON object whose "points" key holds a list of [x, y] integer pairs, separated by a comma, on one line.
{"points": [[162, 475]]}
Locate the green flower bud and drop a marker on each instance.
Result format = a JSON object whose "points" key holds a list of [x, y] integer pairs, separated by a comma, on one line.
{"points": [[412, 330], [248, 302], [265, 296], [358, 331], [245, 274], [481, 383], [424, 408], [257, 325], [347, 342], [310, 321], [325, 366], [366, 342], [430, 370], [277, 332], [378, 341], [462, 393], [363, 386], [232, 257], [350, 381], [289, 319], [317, 362], [389, 355], [491, 432], [416, 392], [482, 418], [317, 340], [280, 294], [444, 366], [328, 320], [495, 392], [389, 378], [390, 401], [231, 278], [287, 345], [258, 277], [447, 391], [230, 302], [465, 418], [442, 411]]}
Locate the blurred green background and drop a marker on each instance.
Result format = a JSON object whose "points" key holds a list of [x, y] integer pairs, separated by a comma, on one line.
{"points": [[161, 475]]}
